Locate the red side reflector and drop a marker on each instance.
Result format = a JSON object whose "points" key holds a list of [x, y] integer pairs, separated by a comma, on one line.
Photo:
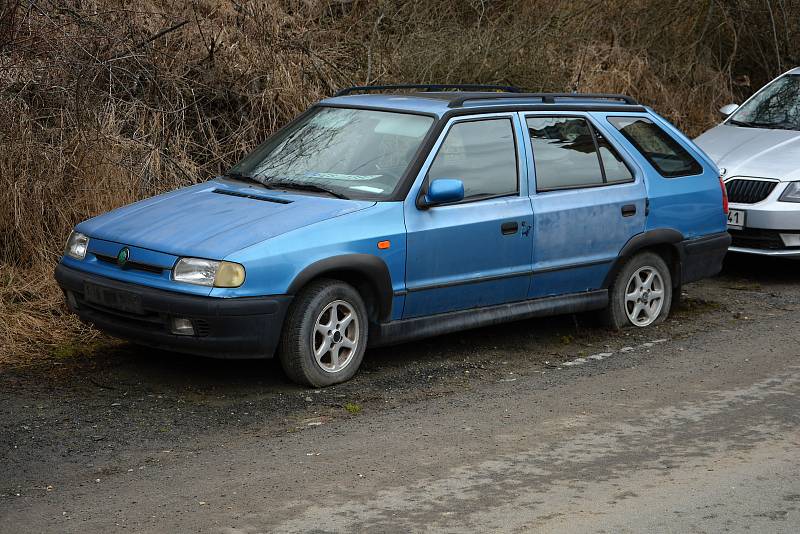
{"points": [[383, 245], [724, 196]]}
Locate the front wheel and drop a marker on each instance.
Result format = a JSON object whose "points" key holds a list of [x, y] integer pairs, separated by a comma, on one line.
{"points": [[325, 334], [641, 293]]}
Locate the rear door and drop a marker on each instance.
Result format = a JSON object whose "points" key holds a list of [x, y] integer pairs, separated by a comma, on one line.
{"points": [[476, 252], [589, 199]]}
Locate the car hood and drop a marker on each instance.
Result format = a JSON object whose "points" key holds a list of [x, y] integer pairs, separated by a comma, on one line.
{"points": [[754, 151], [214, 219]]}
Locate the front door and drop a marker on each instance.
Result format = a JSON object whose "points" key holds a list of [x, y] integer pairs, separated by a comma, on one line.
{"points": [[476, 252], [589, 201]]}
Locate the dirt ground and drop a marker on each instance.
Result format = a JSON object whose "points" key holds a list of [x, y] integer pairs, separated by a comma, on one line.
{"points": [[546, 425]]}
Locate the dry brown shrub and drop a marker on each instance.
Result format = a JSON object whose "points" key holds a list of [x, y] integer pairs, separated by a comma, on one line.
{"points": [[103, 102]]}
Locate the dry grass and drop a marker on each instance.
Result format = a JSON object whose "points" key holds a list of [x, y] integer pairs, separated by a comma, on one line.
{"points": [[103, 102]]}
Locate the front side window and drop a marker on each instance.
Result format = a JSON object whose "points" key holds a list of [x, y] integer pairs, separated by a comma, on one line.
{"points": [[565, 155], [354, 153], [777, 106], [663, 152], [482, 154]]}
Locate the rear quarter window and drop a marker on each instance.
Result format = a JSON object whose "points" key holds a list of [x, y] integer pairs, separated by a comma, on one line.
{"points": [[663, 152]]}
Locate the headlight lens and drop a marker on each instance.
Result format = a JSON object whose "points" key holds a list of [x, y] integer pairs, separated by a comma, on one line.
{"points": [[77, 244], [791, 193], [209, 273]]}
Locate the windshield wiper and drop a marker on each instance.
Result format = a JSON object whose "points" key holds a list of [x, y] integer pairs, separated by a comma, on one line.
{"points": [[743, 124], [784, 125], [242, 177], [304, 187]]}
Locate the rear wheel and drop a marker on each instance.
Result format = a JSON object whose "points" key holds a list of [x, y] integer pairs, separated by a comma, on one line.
{"points": [[325, 334], [641, 293]]}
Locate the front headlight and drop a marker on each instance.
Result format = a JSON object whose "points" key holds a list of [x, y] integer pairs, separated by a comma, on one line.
{"points": [[208, 272], [791, 193], [77, 244]]}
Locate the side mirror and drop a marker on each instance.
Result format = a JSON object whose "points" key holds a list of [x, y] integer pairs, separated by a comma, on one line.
{"points": [[727, 110], [443, 191]]}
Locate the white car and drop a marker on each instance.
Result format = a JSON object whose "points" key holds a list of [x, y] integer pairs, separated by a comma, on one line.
{"points": [[757, 148]]}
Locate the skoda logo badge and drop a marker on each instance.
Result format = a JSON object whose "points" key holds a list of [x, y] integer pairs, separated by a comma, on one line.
{"points": [[122, 257]]}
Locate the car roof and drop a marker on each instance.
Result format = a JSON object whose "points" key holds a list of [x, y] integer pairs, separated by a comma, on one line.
{"points": [[438, 103]]}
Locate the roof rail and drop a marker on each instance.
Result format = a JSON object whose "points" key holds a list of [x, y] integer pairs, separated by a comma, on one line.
{"points": [[427, 87], [547, 98]]}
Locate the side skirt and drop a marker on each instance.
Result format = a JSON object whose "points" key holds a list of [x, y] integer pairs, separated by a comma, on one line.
{"points": [[393, 332]]}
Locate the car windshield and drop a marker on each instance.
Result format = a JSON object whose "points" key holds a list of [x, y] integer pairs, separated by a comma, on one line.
{"points": [[776, 106], [350, 153]]}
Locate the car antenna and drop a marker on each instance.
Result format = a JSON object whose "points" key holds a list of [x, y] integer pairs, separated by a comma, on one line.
{"points": [[577, 83]]}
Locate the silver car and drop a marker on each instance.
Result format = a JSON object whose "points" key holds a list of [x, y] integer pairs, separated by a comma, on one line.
{"points": [[757, 148]]}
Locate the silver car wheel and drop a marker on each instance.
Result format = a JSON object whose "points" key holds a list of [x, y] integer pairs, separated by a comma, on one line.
{"points": [[644, 296], [335, 336]]}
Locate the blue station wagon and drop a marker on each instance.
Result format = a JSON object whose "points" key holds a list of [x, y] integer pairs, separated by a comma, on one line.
{"points": [[376, 218]]}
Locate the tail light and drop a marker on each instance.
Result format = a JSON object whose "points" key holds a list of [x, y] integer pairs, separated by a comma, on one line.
{"points": [[724, 196]]}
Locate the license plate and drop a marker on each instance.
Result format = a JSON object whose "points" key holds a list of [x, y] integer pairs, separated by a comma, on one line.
{"points": [[736, 219], [116, 299]]}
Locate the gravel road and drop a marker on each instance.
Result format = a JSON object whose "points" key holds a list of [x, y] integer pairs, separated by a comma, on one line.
{"points": [[538, 426]]}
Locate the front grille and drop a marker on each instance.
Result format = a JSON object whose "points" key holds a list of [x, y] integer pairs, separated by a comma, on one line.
{"points": [[757, 238], [134, 265], [748, 191]]}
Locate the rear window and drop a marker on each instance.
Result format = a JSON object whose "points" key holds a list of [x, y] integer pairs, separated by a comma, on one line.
{"points": [[663, 152]]}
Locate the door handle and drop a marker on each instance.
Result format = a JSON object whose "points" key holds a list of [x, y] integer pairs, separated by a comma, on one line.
{"points": [[629, 210], [509, 228]]}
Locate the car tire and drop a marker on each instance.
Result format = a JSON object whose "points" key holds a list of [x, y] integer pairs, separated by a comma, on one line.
{"points": [[324, 335], [641, 293]]}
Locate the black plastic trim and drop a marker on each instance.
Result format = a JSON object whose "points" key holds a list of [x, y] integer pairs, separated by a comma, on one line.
{"points": [[697, 258], [503, 276], [427, 87], [372, 268], [651, 238], [389, 333], [703, 257], [571, 266], [547, 98], [469, 281], [245, 327], [491, 108]]}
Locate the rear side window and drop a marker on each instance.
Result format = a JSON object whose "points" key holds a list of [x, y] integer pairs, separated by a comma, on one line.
{"points": [[482, 154], [663, 152], [568, 153], [615, 168]]}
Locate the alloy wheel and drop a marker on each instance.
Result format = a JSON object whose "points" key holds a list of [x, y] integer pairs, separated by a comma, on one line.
{"points": [[334, 340], [644, 296]]}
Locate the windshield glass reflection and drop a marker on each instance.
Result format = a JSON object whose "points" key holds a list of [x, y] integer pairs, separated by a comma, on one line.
{"points": [[776, 106], [351, 153]]}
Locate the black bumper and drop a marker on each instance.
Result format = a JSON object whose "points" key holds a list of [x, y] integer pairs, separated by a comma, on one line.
{"points": [[247, 327], [702, 257]]}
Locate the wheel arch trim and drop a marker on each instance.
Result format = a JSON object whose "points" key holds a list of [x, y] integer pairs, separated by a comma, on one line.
{"points": [[372, 268], [649, 239]]}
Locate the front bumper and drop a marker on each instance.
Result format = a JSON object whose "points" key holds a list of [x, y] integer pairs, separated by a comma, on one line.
{"points": [[247, 327], [765, 221]]}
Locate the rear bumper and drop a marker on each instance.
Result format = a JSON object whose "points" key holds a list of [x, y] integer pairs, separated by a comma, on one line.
{"points": [[702, 257], [223, 328]]}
